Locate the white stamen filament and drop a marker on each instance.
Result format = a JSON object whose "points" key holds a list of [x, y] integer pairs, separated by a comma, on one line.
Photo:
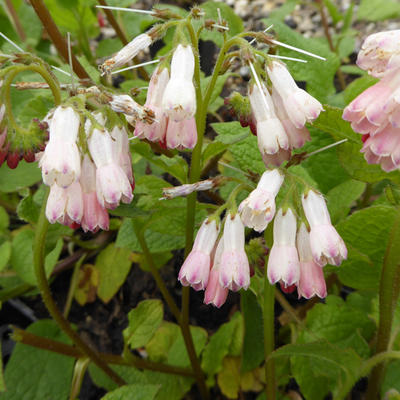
{"points": [[297, 49], [219, 16], [11, 42], [258, 83], [128, 9], [265, 30], [61, 70], [70, 61], [287, 58], [220, 27], [326, 148], [134, 66]]}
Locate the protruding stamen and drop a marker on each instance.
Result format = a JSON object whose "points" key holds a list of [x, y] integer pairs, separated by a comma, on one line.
{"points": [[287, 58], [326, 148], [128, 9], [61, 70], [11, 42], [258, 83], [135, 66], [220, 27], [296, 49]]}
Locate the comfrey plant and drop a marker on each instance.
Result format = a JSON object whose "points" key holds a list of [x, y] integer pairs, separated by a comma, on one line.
{"points": [[152, 170]]}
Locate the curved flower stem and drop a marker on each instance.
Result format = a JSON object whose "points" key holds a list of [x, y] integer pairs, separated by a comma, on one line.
{"points": [[43, 285], [388, 296], [269, 339]]}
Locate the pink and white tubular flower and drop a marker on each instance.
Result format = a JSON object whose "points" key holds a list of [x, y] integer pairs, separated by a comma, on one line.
{"points": [[300, 106], [179, 99], [181, 135], [312, 281], [234, 268], [65, 205], [380, 53], [94, 215], [157, 130], [271, 135], [112, 184], [215, 294], [196, 268], [127, 53], [326, 244], [258, 209], [283, 261], [61, 161]]}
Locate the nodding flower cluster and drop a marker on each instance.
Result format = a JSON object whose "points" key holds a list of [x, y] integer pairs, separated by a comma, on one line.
{"points": [[84, 184], [375, 113], [171, 96], [296, 257], [281, 114]]}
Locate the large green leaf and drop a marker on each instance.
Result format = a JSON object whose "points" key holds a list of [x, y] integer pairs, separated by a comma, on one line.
{"points": [[135, 391], [26, 174], [377, 10]]}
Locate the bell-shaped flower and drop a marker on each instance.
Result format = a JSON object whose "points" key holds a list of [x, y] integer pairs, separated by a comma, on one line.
{"points": [[258, 209], [127, 53], [179, 98], [61, 161], [112, 184], [234, 268], [156, 130], [181, 135], [271, 135], [300, 106], [215, 294], [65, 205], [196, 268], [312, 281], [283, 261], [380, 53], [94, 216], [326, 244]]}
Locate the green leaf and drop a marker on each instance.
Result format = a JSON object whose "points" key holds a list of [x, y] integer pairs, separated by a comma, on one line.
{"points": [[28, 210], [2, 382], [107, 47], [4, 219], [362, 269], [113, 264], [5, 254], [229, 378], [144, 321], [392, 377], [253, 343], [377, 10], [211, 150], [162, 341], [12, 180], [36, 374], [341, 198], [230, 132], [136, 391]]}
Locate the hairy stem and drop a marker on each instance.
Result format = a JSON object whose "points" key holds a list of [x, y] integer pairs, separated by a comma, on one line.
{"points": [[43, 285]]}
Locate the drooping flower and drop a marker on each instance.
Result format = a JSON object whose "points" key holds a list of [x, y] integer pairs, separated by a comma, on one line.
{"points": [[258, 209], [283, 262], [215, 294], [179, 98], [182, 134], [326, 244], [300, 106], [196, 268], [234, 268], [155, 131], [312, 281], [94, 216], [61, 161]]}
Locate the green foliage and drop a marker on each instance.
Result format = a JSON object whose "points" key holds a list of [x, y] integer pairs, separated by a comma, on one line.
{"points": [[377, 10], [137, 391], [21, 177]]}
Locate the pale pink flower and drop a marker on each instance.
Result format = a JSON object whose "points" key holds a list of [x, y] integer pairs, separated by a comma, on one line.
{"points": [[258, 209], [234, 268], [94, 215], [275, 160], [61, 161], [283, 261], [112, 184], [271, 135], [326, 244], [65, 205], [196, 268], [380, 53], [181, 135], [312, 281], [215, 294], [179, 98], [300, 106]]}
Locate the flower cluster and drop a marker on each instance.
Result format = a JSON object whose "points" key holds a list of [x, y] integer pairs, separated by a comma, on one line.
{"points": [[281, 116], [83, 184], [375, 113]]}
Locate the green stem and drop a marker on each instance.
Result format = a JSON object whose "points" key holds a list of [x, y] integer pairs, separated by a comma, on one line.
{"points": [[43, 285], [269, 338], [387, 291], [72, 285]]}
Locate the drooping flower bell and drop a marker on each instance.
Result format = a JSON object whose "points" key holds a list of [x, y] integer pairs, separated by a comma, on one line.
{"points": [[312, 281], [196, 268], [283, 261], [61, 161], [182, 134], [234, 268], [300, 106], [326, 244], [258, 209]]}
